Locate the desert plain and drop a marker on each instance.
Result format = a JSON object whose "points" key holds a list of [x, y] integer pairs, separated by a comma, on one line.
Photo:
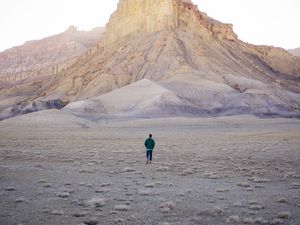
{"points": [[57, 169]]}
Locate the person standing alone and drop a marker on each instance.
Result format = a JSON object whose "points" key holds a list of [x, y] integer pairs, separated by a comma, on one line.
{"points": [[149, 144]]}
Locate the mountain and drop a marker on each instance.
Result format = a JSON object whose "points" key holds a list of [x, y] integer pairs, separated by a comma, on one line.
{"points": [[295, 52], [25, 69], [170, 46]]}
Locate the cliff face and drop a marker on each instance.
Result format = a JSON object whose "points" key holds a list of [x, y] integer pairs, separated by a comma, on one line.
{"points": [[134, 17]]}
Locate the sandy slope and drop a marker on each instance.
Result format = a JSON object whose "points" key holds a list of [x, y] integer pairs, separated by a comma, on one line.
{"points": [[189, 94], [142, 98], [59, 169]]}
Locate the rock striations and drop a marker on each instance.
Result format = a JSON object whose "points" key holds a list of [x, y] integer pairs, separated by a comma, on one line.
{"points": [[48, 56], [135, 17], [196, 65]]}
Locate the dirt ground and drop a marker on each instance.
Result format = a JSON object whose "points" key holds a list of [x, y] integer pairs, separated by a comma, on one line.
{"points": [[57, 169]]}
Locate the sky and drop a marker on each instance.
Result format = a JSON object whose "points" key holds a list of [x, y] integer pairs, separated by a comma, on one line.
{"points": [[268, 22]]}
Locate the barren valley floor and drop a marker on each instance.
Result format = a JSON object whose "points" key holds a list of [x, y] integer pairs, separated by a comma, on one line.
{"points": [[57, 169]]}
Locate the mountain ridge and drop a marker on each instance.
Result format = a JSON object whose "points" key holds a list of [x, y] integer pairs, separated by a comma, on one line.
{"points": [[46, 56], [295, 51]]}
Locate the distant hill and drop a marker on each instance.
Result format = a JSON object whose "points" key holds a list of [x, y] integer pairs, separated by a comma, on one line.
{"points": [[34, 57], [295, 52]]}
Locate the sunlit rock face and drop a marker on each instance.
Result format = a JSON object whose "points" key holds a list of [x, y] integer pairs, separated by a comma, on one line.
{"points": [[133, 17]]}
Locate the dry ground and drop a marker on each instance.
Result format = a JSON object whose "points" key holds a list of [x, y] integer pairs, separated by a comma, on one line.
{"points": [[57, 169]]}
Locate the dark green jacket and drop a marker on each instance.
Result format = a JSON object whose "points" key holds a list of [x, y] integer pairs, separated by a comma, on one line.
{"points": [[149, 144]]}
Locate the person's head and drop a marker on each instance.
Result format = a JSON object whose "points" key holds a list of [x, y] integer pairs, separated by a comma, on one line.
{"points": [[150, 135]]}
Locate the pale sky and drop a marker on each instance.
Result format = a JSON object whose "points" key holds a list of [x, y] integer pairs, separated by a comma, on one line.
{"points": [[270, 22]]}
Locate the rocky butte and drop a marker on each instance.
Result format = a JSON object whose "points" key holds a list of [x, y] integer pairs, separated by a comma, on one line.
{"points": [[192, 64], [135, 16]]}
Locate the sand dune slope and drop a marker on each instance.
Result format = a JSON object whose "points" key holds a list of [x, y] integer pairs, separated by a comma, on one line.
{"points": [[143, 98], [190, 94]]}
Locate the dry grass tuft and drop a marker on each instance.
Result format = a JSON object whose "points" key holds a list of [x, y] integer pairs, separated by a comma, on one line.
{"points": [[42, 181], [63, 194], [147, 193], [92, 221], [47, 185], [248, 221], [258, 220], [216, 211], [223, 190], [10, 188], [294, 186], [253, 202], [80, 214], [292, 175], [237, 204], [187, 172], [284, 215], [167, 207], [122, 208], [276, 222], [258, 180], [150, 185], [282, 200], [163, 169], [233, 219], [164, 223], [57, 212], [256, 207], [128, 169], [244, 185], [102, 190], [105, 185], [119, 220], [96, 202], [20, 200]]}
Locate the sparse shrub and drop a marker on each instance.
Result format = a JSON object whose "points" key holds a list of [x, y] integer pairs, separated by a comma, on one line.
{"points": [[63, 194], [233, 219], [167, 207], [243, 185], [256, 207], [92, 221], [10, 188], [150, 185], [96, 202], [223, 190], [276, 221], [122, 208], [57, 212], [284, 215], [282, 200]]}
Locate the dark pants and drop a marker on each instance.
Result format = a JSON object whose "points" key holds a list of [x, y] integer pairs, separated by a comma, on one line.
{"points": [[149, 155]]}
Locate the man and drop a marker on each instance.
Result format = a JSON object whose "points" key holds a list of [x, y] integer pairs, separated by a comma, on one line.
{"points": [[149, 144]]}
